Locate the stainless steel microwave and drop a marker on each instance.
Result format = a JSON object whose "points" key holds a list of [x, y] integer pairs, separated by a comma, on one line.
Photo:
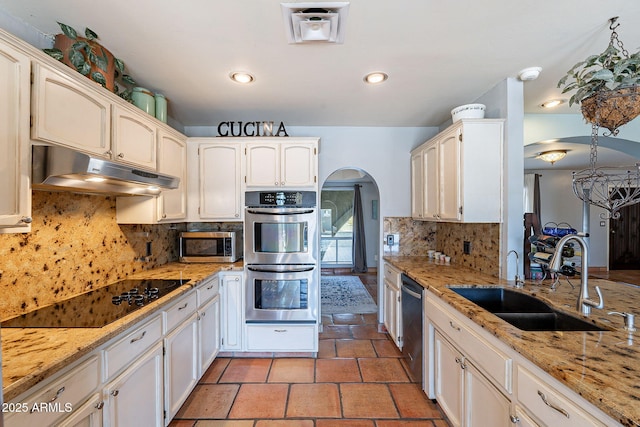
{"points": [[210, 246]]}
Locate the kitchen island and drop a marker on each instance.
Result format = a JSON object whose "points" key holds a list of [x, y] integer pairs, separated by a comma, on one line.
{"points": [[599, 366], [29, 355]]}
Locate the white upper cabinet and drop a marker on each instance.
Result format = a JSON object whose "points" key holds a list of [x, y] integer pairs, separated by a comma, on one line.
{"points": [[290, 163], [134, 137], [461, 173], [68, 113], [219, 180], [172, 160], [15, 195]]}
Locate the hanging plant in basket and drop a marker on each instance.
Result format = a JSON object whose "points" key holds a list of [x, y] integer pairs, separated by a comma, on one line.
{"points": [[606, 85], [87, 56]]}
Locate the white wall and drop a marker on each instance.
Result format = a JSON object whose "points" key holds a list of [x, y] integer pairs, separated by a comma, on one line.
{"points": [[559, 204]]}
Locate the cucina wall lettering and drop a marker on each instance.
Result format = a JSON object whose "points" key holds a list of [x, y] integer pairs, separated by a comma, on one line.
{"points": [[251, 129]]}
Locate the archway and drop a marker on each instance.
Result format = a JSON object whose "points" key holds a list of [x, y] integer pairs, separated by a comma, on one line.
{"points": [[337, 234]]}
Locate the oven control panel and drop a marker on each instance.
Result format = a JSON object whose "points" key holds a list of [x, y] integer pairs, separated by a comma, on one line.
{"points": [[280, 198]]}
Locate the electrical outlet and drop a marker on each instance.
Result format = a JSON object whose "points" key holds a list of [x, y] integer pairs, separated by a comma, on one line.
{"points": [[466, 247], [390, 239]]}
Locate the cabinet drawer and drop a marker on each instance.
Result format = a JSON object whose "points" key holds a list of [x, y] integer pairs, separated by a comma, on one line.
{"points": [[496, 365], [392, 275], [207, 290], [282, 337], [179, 311], [124, 351], [56, 399], [558, 410]]}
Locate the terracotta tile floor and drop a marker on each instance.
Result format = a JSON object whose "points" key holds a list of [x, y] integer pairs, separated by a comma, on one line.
{"points": [[357, 380]]}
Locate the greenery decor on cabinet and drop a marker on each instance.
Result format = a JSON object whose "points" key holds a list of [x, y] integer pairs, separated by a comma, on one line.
{"points": [[87, 56], [606, 85]]}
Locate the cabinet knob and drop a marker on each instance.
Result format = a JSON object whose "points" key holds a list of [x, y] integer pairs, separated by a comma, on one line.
{"points": [[282, 183], [99, 405], [26, 220], [164, 216], [237, 215], [514, 419], [114, 393], [276, 183], [108, 153], [121, 155]]}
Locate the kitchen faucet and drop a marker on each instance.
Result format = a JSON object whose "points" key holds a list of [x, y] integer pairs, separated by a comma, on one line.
{"points": [[519, 281], [584, 303]]}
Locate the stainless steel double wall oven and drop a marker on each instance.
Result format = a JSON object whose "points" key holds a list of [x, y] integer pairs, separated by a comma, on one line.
{"points": [[281, 256]]}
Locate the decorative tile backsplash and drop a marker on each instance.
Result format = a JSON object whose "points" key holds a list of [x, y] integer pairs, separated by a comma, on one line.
{"points": [[75, 245], [417, 237]]}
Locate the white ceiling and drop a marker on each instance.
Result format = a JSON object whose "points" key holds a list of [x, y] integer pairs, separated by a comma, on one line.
{"points": [[438, 54]]}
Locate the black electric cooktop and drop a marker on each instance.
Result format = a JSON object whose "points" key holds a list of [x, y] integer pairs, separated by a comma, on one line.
{"points": [[97, 308]]}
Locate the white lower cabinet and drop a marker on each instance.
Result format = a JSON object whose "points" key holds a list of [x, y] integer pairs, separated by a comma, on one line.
{"points": [[231, 293], [480, 381], [393, 304], [88, 415], [282, 337], [55, 399], [208, 333], [181, 364], [548, 406], [137, 394]]}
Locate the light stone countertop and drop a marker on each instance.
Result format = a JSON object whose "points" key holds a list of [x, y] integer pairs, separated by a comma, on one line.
{"points": [[30, 355], [602, 367]]}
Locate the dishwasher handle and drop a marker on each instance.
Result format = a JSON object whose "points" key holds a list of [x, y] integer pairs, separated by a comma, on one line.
{"points": [[411, 287], [412, 293]]}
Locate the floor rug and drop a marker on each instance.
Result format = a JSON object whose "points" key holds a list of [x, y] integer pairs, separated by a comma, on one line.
{"points": [[345, 294]]}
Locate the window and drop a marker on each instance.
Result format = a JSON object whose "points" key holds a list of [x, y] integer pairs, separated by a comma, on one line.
{"points": [[336, 225]]}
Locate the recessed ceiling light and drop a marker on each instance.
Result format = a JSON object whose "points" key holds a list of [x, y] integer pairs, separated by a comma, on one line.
{"points": [[241, 77], [553, 103], [375, 77]]}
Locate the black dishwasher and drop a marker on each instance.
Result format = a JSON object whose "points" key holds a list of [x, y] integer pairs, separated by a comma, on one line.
{"points": [[412, 321]]}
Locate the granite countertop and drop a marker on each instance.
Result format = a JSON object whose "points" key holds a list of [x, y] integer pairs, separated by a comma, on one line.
{"points": [[30, 355], [600, 366]]}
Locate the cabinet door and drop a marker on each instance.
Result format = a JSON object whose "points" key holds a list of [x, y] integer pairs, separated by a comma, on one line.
{"points": [[484, 404], [449, 379], [297, 167], [68, 113], [15, 195], [232, 325], [134, 138], [391, 314], [431, 183], [88, 415], [172, 160], [417, 186], [220, 181], [450, 170], [263, 165], [137, 394], [181, 364], [209, 333]]}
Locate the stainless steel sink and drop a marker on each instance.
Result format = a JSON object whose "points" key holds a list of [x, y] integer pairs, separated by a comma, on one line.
{"points": [[523, 311]]}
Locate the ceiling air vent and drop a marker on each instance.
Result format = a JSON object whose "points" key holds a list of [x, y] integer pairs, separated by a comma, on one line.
{"points": [[315, 22]]}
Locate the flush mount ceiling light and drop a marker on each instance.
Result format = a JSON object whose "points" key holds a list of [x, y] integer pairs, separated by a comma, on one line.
{"points": [[530, 73], [552, 156], [552, 103], [375, 77], [241, 77], [315, 22]]}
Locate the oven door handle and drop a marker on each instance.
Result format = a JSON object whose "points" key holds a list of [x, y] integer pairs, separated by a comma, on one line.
{"points": [[281, 269], [280, 211]]}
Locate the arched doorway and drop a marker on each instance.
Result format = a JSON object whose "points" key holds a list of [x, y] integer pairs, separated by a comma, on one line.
{"points": [[337, 236]]}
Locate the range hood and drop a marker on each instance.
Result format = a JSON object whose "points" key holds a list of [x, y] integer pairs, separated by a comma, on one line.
{"points": [[56, 168]]}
